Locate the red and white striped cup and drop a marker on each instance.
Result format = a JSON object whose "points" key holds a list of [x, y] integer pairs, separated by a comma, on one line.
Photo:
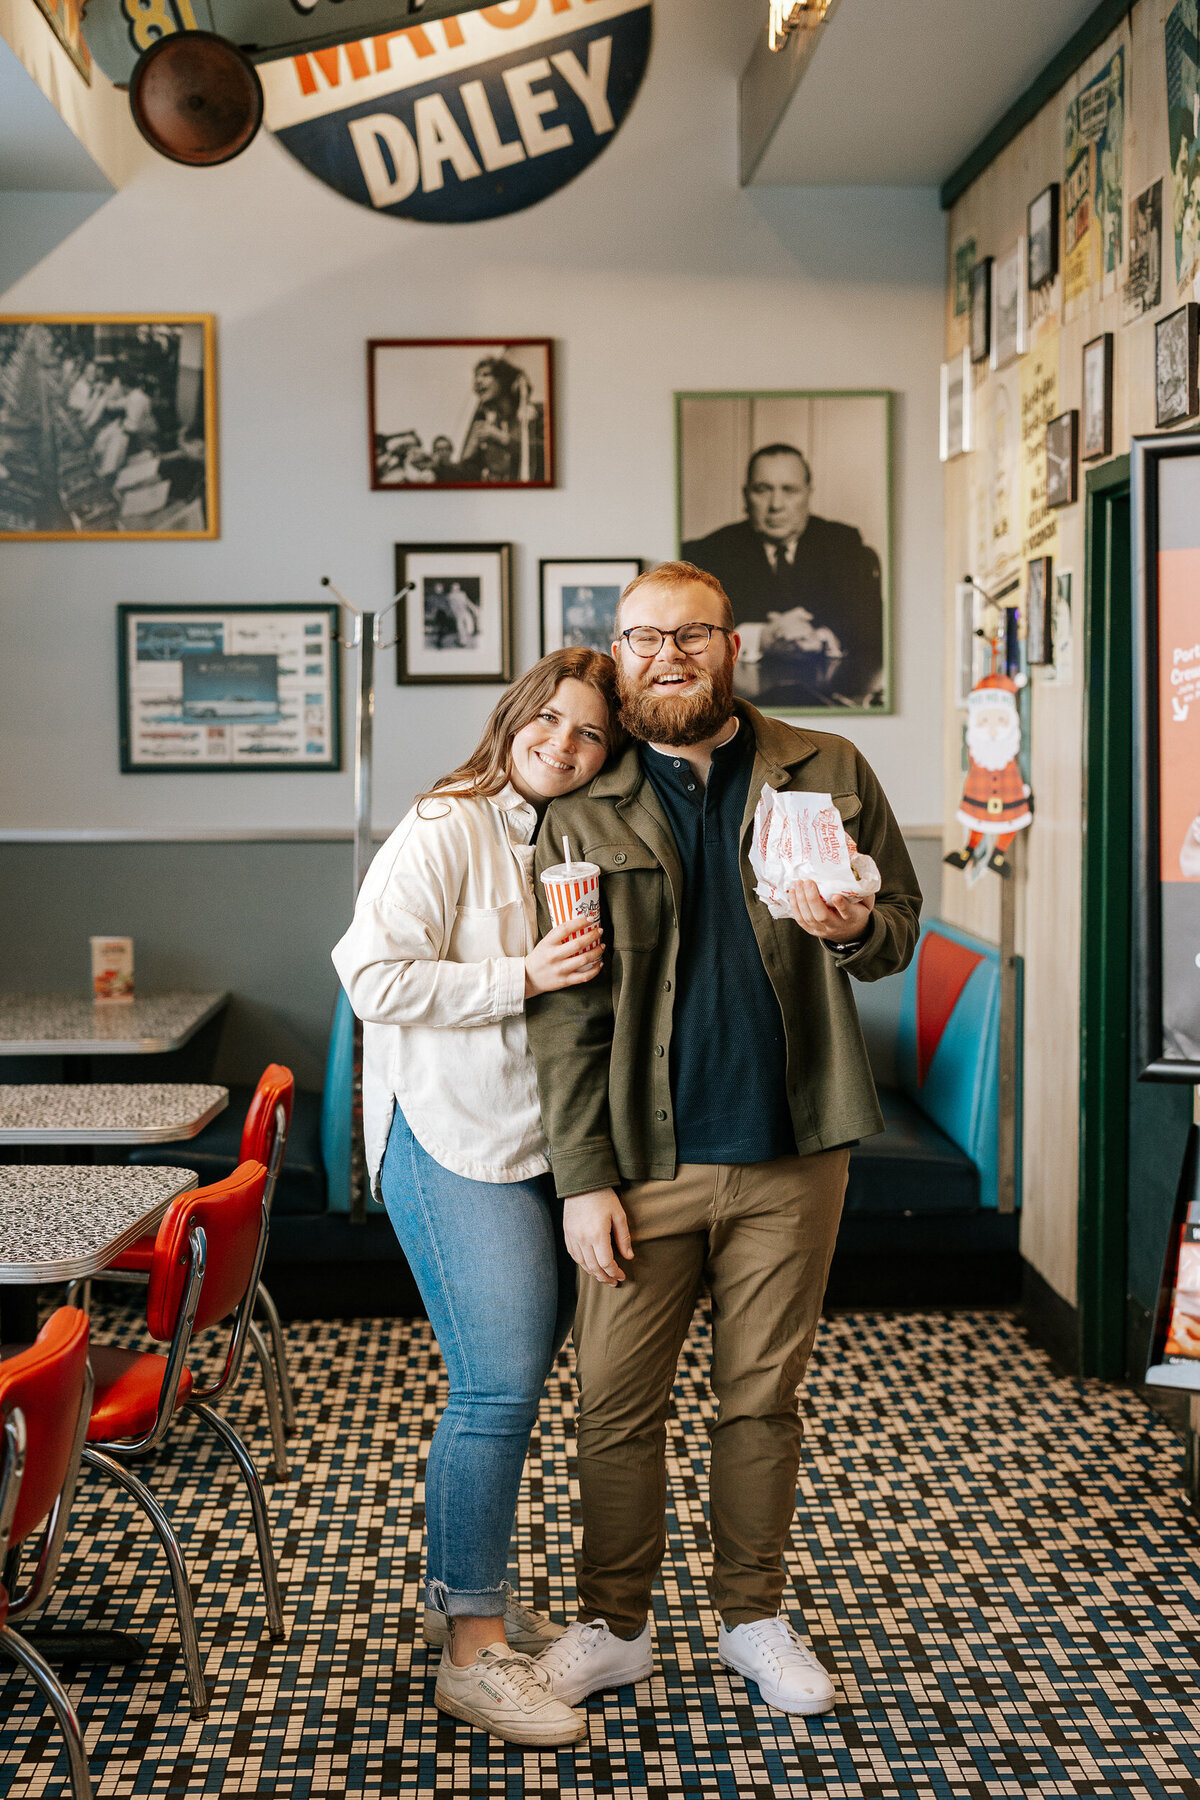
{"points": [[573, 892]]}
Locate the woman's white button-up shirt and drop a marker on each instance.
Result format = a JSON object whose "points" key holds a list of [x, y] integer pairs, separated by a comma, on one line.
{"points": [[434, 965]]}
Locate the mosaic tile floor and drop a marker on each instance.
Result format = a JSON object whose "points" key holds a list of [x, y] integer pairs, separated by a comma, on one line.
{"points": [[998, 1564]]}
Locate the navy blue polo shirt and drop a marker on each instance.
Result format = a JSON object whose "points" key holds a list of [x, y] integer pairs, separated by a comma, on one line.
{"points": [[728, 1049]]}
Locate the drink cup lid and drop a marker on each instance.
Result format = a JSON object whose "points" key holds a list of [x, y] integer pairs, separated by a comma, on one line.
{"points": [[577, 871]]}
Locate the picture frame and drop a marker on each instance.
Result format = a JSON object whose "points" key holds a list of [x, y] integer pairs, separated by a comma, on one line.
{"points": [[1062, 459], [1176, 341], [970, 648], [956, 423], [1009, 308], [981, 310], [578, 599], [1041, 252], [1097, 388], [455, 625], [233, 689], [1165, 517], [816, 630], [1039, 602], [460, 413], [110, 428]]}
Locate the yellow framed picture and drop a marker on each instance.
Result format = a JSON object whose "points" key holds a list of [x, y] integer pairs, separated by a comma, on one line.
{"points": [[108, 426]]}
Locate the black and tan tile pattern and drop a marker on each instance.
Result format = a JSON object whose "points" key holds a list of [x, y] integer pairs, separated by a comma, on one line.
{"points": [[998, 1563]]}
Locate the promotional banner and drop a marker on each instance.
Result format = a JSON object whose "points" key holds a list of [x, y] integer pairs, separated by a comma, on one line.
{"points": [[470, 117], [1178, 750]]}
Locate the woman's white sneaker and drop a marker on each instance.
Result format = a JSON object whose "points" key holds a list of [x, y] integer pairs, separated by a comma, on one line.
{"points": [[507, 1695], [789, 1676], [588, 1658], [526, 1630]]}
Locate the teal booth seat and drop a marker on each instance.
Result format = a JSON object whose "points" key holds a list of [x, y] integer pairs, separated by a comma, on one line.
{"points": [[937, 1155]]}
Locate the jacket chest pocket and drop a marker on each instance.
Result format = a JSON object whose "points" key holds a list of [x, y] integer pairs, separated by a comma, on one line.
{"points": [[482, 932], [631, 894], [850, 808]]}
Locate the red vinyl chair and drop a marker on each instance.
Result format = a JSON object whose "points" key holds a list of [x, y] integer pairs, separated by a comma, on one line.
{"points": [[264, 1140], [45, 1399], [208, 1254]]}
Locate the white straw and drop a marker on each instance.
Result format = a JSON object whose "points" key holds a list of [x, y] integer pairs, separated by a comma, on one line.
{"points": [[566, 850]]}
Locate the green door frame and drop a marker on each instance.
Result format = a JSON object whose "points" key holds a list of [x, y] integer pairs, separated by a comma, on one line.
{"points": [[1105, 971]]}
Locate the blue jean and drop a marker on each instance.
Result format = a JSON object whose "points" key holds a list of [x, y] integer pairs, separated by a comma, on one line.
{"points": [[499, 1289]]}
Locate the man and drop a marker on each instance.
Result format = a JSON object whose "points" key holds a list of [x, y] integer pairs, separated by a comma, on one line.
{"points": [[809, 588], [715, 1074]]}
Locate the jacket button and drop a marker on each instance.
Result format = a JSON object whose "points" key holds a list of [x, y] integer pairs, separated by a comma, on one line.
{"points": [[619, 857], [660, 1114], [658, 1050], [666, 987]]}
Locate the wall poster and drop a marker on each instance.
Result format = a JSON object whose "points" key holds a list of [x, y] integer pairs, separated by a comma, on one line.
{"points": [[1094, 180], [1181, 47], [1166, 496], [1039, 404], [224, 688], [469, 117]]}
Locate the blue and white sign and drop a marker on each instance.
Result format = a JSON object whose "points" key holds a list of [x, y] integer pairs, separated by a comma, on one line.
{"points": [[468, 117]]}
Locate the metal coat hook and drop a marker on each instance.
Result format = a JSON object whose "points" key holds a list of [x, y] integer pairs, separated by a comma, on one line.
{"points": [[408, 588], [355, 639]]}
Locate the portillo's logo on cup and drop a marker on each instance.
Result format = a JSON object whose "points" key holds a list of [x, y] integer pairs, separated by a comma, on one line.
{"points": [[468, 117], [573, 892]]}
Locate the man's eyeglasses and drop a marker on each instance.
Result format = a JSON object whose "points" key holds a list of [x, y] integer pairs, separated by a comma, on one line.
{"points": [[648, 640]]}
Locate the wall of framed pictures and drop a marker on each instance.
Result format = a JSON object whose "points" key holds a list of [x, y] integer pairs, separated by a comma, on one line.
{"points": [[297, 296], [1098, 196]]}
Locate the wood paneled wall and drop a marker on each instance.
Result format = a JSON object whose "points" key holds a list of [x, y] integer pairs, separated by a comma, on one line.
{"points": [[993, 212]]}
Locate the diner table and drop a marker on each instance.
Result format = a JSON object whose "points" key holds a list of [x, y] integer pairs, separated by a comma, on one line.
{"points": [[107, 1112], [60, 1223], [74, 1027]]}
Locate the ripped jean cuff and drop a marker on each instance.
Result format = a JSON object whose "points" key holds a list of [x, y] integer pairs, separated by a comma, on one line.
{"points": [[474, 1603]]}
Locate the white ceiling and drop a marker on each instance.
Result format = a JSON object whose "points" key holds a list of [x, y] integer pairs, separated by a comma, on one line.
{"points": [[38, 152], [899, 92]]}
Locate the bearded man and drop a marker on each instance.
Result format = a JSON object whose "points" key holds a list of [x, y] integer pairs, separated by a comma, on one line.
{"points": [[701, 1097]]}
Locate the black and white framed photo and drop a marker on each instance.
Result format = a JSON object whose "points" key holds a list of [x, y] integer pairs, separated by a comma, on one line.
{"points": [[579, 599], [956, 411], [1175, 345], [970, 645], [108, 426], [1039, 598], [1096, 432], [1042, 237], [1062, 459], [1008, 305], [981, 310], [455, 626], [461, 412], [786, 497], [222, 689]]}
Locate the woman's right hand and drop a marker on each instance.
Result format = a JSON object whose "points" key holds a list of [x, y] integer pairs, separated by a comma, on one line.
{"points": [[557, 964]]}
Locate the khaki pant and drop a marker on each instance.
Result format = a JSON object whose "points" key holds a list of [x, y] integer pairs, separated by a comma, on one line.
{"points": [[761, 1236]]}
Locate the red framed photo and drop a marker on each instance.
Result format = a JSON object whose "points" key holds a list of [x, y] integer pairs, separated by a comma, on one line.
{"points": [[461, 412]]}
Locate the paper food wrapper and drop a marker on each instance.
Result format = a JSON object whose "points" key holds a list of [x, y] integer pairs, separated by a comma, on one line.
{"points": [[800, 837]]}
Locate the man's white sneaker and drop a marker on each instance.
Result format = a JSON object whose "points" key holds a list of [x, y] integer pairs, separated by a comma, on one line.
{"points": [[507, 1695], [526, 1630], [769, 1652], [587, 1658]]}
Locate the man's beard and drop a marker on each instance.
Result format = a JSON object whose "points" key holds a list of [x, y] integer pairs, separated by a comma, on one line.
{"points": [[676, 720]]}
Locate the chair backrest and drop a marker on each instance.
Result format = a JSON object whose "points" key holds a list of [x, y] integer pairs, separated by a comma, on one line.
{"points": [[231, 1217], [45, 1384], [276, 1088], [337, 1107]]}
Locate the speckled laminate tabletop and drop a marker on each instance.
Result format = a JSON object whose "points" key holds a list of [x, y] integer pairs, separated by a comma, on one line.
{"points": [[107, 1112], [73, 1025], [59, 1223]]}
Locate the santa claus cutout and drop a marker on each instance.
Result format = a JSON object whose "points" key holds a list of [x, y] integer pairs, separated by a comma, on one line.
{"points": [[996, 801]]}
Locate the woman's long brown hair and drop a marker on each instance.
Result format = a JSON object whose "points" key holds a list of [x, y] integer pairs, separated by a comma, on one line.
{"points": [[486, 770]]}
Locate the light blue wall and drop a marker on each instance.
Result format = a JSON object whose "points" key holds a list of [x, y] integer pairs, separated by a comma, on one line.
{"points": [[32, 224]]}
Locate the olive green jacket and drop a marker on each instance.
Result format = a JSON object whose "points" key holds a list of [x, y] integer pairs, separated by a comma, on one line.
{"points": [[602, 1049]]}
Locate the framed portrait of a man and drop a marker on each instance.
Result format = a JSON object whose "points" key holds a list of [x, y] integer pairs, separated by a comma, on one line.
{"points": [[786, 498]]}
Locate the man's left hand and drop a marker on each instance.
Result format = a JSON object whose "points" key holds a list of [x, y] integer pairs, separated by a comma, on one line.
{"points": [[838, 921]]}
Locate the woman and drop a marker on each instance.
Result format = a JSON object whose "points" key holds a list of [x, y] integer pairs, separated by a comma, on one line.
{"points": [[438, 963]]}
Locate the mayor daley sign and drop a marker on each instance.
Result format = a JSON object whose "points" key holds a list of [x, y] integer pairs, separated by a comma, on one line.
{"points": [[467, 117]]}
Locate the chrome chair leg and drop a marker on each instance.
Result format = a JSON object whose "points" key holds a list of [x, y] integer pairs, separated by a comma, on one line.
{"points": [[197, 1692], [275, 1333], [258, 1344], [258, 1503], [64, 1712]]}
